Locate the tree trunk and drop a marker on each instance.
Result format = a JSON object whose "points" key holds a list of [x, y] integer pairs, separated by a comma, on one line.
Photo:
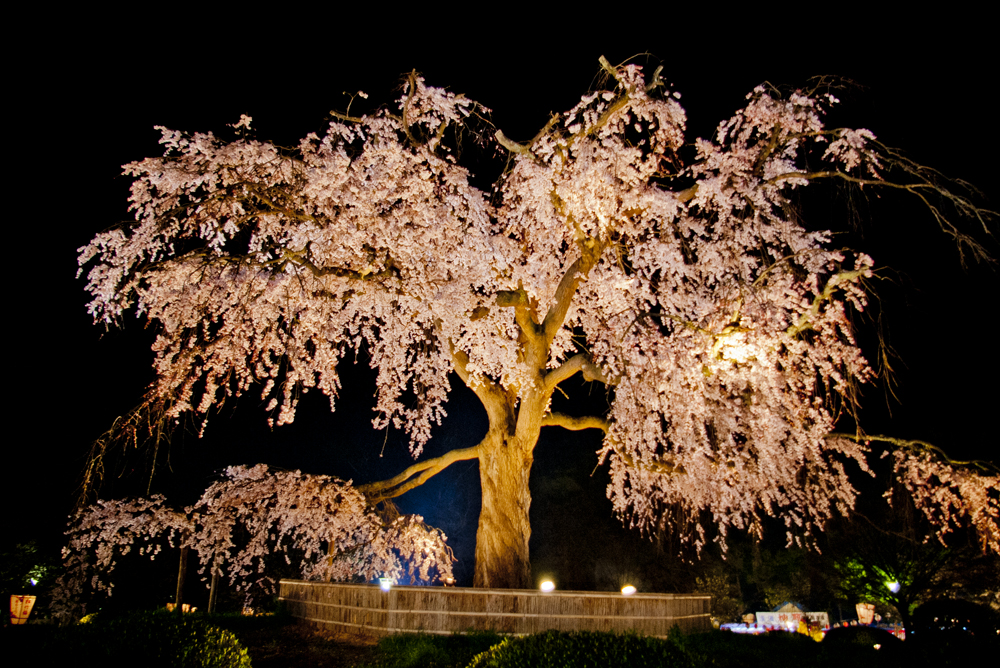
{"points": [[213, 592], [504, 529], [181, 575]]}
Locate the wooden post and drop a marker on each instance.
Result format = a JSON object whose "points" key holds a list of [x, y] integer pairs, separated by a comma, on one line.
{"points": [[181, 574]]}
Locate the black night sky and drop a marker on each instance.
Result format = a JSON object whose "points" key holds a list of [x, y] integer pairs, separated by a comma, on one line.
{"points": [[83, 98]]}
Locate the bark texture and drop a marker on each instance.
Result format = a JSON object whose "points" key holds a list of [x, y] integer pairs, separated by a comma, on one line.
{"points": [[504, 528]]}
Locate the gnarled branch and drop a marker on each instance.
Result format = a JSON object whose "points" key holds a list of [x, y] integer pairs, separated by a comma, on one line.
{"points": [[405, 481], [576, 423], [576, 363]]}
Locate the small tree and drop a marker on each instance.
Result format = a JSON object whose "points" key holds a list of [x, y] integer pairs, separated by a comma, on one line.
{"points": [[683, 283], [887, 561], [251, 514]]}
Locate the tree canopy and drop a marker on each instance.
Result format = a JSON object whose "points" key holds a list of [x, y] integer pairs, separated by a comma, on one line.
{"points": [[678, 276]]}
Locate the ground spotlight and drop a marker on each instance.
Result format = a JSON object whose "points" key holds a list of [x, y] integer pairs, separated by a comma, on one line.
{"points": [[547, 586]]}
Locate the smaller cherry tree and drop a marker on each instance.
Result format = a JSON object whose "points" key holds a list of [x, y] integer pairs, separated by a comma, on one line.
{"points": [[101, 533], [241, 520]]}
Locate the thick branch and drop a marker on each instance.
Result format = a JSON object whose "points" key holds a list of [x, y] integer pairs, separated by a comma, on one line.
{"points": [[405, 481], [345, 117], [486, 389], [576, 363], [406, 106], [301, 259], [518, 299], [804, 321], [658, 467], [576, 272], [512, 145], [576, 423]]}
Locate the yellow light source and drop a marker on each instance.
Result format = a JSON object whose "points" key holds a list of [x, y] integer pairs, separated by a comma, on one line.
{"points": [[628, 590], [20, 608], [548, 586]]}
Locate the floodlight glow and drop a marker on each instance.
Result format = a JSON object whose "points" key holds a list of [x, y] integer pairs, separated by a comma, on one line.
{"points": [[628, 590], [893, 587], [385, 583], [548, 586]]}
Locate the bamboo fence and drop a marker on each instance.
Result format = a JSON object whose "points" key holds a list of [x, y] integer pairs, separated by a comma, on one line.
{"points": [[366, 609]]}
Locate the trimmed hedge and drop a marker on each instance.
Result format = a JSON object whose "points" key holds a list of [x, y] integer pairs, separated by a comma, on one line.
{"points": [[584, 649]]}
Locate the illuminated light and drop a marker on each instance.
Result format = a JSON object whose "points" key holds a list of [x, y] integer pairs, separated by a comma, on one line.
{"points": [[548, 586], [893, 587], [33, 581], [628, 590], [385, 584], [877, 646]]}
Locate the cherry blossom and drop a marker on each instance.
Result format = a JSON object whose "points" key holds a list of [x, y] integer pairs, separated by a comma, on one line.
{"points": [[684, 282], [242, 520]]}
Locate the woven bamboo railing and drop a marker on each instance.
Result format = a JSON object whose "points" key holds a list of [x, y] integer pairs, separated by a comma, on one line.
{"points": [[366, 609]]}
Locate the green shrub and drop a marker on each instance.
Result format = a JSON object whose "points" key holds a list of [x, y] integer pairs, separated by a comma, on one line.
{"points": [[150, 639], [722, 649], [863, 636], [584, 649], [410, 650]]}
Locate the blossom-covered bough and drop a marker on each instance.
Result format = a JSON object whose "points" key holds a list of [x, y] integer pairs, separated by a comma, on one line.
{"points": [[243, 520], [683, 283]]}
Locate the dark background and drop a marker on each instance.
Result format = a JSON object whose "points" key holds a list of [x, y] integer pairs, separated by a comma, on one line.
{"points": [[84, 90]]}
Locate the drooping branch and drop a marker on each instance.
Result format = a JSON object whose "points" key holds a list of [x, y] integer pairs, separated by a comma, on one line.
{"points": [[951, 494], [916, 447], [145, 428], [405, 481], [921, 190]]}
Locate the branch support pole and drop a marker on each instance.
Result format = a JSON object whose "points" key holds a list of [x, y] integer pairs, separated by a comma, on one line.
{"points": [[181, 576], [213, 592]]}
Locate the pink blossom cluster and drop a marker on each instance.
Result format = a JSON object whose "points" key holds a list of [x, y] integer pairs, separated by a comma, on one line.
{"points": [[243, 520], [950, 496]]}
